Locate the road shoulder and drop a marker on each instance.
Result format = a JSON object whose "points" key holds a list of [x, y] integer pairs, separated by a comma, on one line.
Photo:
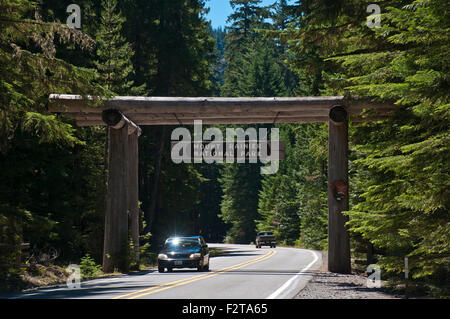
{"points": [[328, 285]]}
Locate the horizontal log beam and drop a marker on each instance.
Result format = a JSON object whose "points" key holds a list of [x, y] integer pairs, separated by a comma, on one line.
{"points": [[190, 116], [217, 121], [140, 118], [212, 110], [156, 100], [191, 105], [84, 123]]}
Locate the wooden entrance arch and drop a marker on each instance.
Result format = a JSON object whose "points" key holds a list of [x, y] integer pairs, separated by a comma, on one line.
{"points": [[123, 115]]}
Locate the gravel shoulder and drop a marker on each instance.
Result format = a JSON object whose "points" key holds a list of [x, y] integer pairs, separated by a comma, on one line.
{"points": [[328, 285]]}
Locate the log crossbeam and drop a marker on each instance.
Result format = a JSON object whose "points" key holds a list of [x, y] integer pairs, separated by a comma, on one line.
{"points": [[184, 110]]}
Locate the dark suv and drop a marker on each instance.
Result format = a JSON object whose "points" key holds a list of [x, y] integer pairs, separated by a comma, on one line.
{"points": [[184, 252]]}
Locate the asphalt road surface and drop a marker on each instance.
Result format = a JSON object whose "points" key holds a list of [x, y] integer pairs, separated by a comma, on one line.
{"points": [[241, 272]]}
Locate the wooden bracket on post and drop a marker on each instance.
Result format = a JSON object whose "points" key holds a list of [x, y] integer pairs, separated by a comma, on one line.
{"points": [[116, 120], [122, 196], [338, 238]]}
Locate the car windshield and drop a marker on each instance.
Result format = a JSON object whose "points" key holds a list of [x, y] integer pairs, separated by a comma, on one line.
{"points": [[180, 243]]}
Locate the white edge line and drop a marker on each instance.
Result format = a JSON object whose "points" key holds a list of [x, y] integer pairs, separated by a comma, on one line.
{"points": [[289, 282]]}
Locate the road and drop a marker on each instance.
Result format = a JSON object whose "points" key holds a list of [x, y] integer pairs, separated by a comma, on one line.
{"points": [[242, 272]]}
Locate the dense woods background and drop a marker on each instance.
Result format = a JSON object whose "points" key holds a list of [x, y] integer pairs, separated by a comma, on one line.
{"points": [[52, 190]]}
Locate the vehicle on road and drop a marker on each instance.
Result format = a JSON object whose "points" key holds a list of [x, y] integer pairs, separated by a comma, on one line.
{"points": [[184, 252], [265, 238]]}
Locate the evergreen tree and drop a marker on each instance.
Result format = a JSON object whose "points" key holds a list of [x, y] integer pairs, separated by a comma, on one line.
{"points": [[245, 20], [30, 71], [311, 151], [398, 173], [210, 226], [256, 68], [239, 207], [220, 65], [114, 53], [282, 14], [38, 151], [240, 182], [277, 204], [293, 203], [404, 202], [247, 16]]}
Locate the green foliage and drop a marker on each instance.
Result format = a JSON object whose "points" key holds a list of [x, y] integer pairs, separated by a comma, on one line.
{"points": [[48, 129], [312, 191], [293, 203], [220, 65], [30, 70], [254, 61], [247, 17], [88, 268], [114, 53], [252, 69], [399, 171], [212, 227], [10, 247], [239, 206], [410, 171], [38, 151], [53, 174]]}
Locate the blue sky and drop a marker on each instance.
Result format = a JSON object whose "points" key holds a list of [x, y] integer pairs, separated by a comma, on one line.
{"points": [[221, 9]]}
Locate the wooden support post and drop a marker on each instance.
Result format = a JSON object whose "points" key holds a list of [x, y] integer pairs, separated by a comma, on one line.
{"points": [[122, 211], [115, 253], [133, 192], [338, 238]]}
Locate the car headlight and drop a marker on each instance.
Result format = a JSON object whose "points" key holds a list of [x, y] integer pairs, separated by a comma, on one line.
{"points": [[162, 256], [195, 255]]}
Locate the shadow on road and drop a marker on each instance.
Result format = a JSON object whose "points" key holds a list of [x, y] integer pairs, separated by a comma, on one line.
{"points": [[231, 252], [99, 291]]}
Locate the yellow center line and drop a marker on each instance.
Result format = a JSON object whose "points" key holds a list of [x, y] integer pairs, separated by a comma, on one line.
{"points": [[210, 275], [185, 281]]}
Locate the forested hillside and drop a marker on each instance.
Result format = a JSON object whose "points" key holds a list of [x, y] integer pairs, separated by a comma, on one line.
{"points": [[53, 173]]}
